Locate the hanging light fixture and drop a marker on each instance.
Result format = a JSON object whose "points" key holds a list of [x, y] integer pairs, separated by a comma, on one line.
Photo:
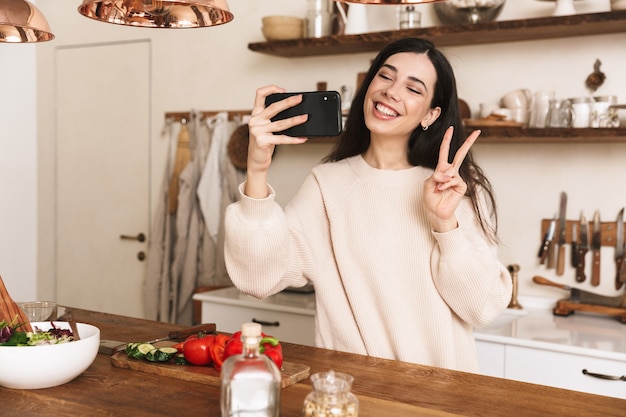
{"points": [[390, 2], [21, 21], [171, 14]]}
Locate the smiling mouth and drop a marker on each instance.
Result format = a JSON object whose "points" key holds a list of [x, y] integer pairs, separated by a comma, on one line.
{"points": [[386, 111]]}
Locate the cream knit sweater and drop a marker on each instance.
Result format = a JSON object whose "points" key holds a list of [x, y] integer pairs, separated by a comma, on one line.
{"points": [[386, 285]]}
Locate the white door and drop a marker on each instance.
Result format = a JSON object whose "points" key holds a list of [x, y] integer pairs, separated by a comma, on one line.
{"points": [[102, 175]]}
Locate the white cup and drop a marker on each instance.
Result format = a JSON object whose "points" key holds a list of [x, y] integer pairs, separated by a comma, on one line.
{"points": [[487, 108]]}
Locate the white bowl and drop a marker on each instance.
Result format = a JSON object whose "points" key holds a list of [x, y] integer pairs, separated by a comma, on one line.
{"points": [[33, 367]]}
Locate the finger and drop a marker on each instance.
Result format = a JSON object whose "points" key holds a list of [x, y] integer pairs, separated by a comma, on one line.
{"points": [[284, 124], [284, 104], [444, 148], [455, 184], [465, 148], [261, 95]]}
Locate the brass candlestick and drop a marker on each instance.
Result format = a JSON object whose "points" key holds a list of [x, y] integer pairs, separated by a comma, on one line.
{"points": [[514, 269]]}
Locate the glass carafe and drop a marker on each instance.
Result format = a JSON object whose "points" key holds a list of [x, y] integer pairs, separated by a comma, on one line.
{"points": [[331, 396], [319, 18], [250, 382]]}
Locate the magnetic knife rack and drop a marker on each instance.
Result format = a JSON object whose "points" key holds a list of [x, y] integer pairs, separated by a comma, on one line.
{"points": [[608, 232]]}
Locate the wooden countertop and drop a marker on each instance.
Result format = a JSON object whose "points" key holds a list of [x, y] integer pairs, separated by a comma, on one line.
{"points": [[383, 387]]}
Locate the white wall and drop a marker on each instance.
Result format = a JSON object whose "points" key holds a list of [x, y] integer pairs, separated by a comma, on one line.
{"points": [[212, 69], [18, 170]]}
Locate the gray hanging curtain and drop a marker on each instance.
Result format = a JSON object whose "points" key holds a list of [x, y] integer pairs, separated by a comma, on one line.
{"points": [[183, 254]]}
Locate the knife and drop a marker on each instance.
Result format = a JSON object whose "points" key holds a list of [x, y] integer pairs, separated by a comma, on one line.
{"points": [[547, 239], [596, 245], [109, 346], [581, 248], [581, 296], [619, 250], [574, 243], [560, 260]]}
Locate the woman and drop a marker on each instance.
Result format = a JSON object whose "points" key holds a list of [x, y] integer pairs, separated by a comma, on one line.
{"points": [[396, 230]]}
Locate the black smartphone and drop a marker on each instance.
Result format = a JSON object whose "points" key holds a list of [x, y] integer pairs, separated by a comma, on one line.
{"points": [[323, 108]]}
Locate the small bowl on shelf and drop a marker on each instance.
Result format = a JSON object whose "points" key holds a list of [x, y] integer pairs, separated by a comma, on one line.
{"points": [[455, 12], [282, 28]]}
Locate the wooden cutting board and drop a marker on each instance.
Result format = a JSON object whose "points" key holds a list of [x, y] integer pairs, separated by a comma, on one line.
{"points": [[291, 372]]}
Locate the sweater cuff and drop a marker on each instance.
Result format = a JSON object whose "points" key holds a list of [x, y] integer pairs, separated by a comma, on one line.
{"points": [[451, 242], [256, 210]]}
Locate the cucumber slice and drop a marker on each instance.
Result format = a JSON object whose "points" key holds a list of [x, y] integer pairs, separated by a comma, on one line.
{"points": [[162, 354], [180, 359], [131, 347], [140, 350], [144, 348], [152, 355], [169, 350]]}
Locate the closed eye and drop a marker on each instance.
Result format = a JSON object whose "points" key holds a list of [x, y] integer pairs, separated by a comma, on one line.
{"points": [[384, 76]]}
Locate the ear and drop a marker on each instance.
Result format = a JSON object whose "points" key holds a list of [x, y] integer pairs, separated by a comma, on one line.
{"points": [[432, 115]]}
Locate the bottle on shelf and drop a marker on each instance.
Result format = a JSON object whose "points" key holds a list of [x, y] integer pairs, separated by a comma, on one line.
{"points": [[250, 382]]}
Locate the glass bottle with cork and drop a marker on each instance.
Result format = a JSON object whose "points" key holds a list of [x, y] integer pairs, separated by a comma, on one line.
{"points": [[250, 382]]}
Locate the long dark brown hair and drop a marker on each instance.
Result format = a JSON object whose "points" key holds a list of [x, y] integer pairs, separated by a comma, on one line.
{"points": [[423, 145]]}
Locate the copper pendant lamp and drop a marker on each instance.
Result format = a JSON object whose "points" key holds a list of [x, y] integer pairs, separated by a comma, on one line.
{"points": [[21, 21], [391, 2], [169, 14]]}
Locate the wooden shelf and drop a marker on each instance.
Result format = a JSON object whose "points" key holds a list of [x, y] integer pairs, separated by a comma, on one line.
{"points": [[554, 135], [508, 135], [453, 35], [475, 34]]}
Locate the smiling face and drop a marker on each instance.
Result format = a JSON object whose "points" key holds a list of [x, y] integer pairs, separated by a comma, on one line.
{"points": [[399, 97]]}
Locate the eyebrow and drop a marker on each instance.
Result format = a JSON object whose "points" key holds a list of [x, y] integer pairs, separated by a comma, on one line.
{"points": [[415, 79]]}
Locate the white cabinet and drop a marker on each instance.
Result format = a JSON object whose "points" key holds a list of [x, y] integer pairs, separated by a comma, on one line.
{"points": [[290, 317], [491, 358], [545, 349], [536, 348], [564, 370]]}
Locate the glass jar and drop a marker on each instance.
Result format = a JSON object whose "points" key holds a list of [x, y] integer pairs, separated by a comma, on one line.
{"points": [[331, 396], [408, 17]]}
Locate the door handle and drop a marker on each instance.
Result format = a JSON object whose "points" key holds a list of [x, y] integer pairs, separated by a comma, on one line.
{"points": [[140, 237]]}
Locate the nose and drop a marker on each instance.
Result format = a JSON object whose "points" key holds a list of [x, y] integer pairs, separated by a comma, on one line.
{"points": [[391, 93]]}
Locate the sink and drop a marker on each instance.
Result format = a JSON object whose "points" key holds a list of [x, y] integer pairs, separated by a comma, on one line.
{"points": [[506, 317]]}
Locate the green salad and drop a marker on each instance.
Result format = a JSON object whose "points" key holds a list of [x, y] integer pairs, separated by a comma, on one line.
{"points": [[10, 336]]}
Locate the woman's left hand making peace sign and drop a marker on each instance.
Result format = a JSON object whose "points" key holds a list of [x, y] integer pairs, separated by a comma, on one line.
{"points": [[444, 190]]}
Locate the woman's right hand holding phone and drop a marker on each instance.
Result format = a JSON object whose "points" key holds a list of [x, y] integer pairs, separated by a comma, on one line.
{"points": [[263, 140]]}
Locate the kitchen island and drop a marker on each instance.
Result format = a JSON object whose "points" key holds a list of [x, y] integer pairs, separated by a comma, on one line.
{"points": [[383, 387]]}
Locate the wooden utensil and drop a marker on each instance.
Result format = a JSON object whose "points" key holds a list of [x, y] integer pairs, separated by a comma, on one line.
{"points": [[69, 314], [9, 310]]}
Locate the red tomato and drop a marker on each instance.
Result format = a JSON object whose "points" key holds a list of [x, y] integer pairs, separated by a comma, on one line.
{"points": [[197, 350]]}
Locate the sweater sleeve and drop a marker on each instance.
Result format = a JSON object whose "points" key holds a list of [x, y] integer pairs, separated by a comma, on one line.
{"points": [[262, 254], [467, 272]]}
